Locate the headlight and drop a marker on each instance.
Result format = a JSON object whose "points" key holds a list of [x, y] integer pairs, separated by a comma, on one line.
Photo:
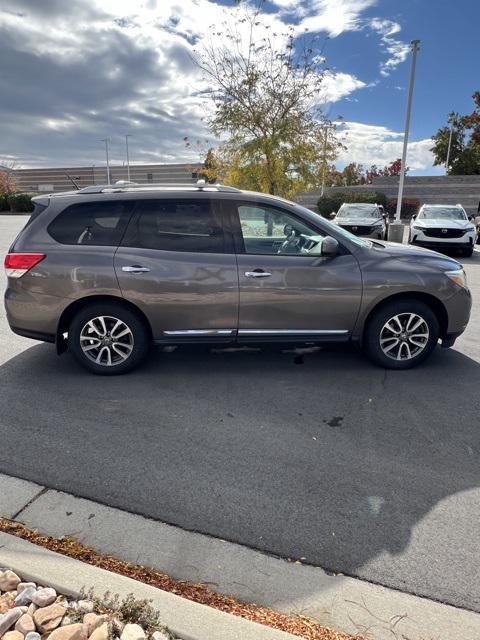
{"points": [[418, 228], [458, 277]]}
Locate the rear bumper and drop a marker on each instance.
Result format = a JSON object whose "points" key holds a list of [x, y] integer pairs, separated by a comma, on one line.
{"points": [[34, 335], [33, 315]]}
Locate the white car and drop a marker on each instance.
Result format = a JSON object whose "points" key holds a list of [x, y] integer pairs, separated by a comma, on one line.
{"points": [[361, 219], [443, 226]]}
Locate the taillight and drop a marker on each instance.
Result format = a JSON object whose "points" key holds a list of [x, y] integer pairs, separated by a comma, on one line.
{"points": [[17, 264]]}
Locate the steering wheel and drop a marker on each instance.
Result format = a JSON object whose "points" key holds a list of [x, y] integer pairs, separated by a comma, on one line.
{"points": [[290, 245]]}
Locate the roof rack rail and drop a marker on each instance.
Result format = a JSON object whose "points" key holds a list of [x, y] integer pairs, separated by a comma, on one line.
{"points": [[125, 185]]}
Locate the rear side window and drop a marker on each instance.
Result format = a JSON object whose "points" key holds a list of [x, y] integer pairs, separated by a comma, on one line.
{"points": [[91, 223], [175, 225]]}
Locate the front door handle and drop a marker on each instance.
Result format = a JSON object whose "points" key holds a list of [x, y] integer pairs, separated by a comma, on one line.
{"points": [[136, 268], [257, 274]]}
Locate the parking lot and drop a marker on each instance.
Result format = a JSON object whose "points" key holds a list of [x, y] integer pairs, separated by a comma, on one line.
{"points": [[323, 456]]}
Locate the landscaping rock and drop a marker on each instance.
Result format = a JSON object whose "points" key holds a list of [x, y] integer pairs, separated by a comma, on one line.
{"points": [[133, 632], [8, 580], [71, 632], [25, 585], [25, 624], [13, 635], [25, 596], [48, 618], [101, 632], [33, 635], [44, 597], [85, 606], [31, 609], [9, 619], [160, 635], [92, 620], [6, 602]]}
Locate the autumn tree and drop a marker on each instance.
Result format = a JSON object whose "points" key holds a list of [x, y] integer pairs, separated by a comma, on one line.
{"points": [[8, 182], [265, 88], [464, 158]]}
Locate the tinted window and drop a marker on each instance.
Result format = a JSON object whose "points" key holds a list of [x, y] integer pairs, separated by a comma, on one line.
{"points": [[268, 230], [175, 225], [447, 213], [91, 223]]}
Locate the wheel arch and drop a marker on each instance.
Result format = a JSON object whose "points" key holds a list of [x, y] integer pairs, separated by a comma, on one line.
{"points": [[431, 301], [76, 305]]}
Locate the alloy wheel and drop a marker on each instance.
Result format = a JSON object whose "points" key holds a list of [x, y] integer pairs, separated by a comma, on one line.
{"points": [[404, 336], [106, 340]]}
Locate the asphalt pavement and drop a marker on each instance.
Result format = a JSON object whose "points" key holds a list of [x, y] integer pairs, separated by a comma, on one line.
{"points": [[324, 457]]}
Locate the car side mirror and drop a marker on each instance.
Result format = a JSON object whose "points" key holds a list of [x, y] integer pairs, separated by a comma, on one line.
{"points": [[471, 217], [414, 217], [332, 215], [330, 247]]}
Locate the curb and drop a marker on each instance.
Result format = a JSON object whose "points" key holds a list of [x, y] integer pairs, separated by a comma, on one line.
{"points": [[338, 602], [186, 619]]}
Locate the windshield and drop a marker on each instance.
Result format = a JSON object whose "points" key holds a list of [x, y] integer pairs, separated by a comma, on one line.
{"points": [[358, 211], [335, 229], [442, 213]]}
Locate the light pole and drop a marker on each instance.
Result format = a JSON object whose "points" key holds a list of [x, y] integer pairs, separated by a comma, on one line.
{"points": [[107, 140], [397, 233], [324, 165], [128, 135], [447, 163]]}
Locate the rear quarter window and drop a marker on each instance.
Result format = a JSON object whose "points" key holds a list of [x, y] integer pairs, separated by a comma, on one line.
{"points": [[91, 223]]}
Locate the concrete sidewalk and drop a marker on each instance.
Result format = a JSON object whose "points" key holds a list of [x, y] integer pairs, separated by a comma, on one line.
{"points": [[187, 620], [344, 603]]}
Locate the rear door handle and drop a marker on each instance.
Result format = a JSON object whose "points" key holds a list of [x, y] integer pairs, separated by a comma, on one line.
{"points": [[136, 268], [257, 274]]}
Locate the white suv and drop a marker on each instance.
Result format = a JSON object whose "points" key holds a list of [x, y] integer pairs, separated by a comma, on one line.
{"points": [[442, 226]]}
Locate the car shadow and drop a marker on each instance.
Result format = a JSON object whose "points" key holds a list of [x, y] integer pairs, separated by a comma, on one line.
{"points": [[317, 455]]}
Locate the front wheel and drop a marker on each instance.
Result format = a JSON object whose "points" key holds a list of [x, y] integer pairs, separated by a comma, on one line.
{"points": [[108, 338], [468, 252], [401, 335]]}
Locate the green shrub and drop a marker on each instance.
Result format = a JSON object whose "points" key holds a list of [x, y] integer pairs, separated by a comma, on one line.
{"points": [[21, 202], [332, 202], [410, 207], [4, 206]]}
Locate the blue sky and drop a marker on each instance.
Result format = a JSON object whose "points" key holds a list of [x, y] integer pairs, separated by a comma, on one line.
{"points": [[75, 72]]}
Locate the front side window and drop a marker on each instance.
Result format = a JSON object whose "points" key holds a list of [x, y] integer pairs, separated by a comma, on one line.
{"points": [[267, 230], [175, 225], [91, 223]]}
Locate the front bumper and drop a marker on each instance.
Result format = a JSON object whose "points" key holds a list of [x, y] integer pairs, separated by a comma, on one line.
{"points": [[465, 241], [376, 233], [458, 309]]}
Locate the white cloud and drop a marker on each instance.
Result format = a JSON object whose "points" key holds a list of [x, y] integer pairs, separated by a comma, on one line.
{"points": [[332, 16], [396, 50], [374, 144], [339, 85], [96, 68]]}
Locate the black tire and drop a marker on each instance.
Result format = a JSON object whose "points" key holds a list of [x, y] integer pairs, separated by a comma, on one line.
{"points": [[133, 347], [468, 253], [376, 330]]}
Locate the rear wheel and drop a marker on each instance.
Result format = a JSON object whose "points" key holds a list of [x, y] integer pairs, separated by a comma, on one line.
{"points": [[402, 334], [108, 338]]}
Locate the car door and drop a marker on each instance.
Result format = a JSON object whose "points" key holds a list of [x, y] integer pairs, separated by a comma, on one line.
{"points": [[175, 264], [285, 291]]}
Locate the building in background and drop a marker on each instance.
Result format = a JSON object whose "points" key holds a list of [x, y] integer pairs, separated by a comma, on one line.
{"points": [[65, 178]]}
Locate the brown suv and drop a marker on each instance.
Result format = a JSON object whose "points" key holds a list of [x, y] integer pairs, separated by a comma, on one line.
{"points": [[107, 271]]}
